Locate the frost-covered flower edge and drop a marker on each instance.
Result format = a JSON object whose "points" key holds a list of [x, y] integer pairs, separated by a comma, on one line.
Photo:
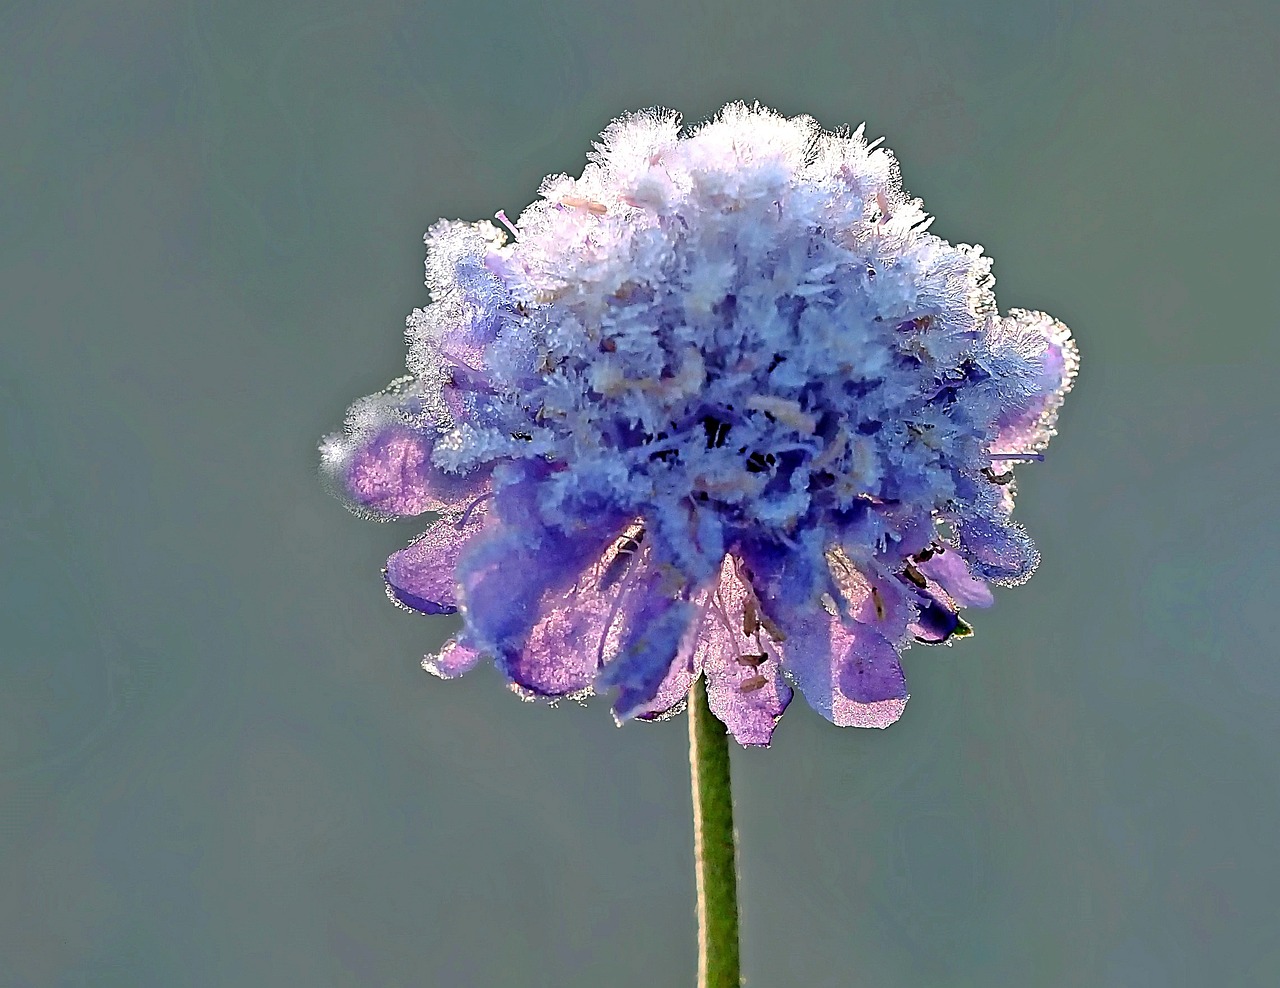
{"points": [[719, 406]]}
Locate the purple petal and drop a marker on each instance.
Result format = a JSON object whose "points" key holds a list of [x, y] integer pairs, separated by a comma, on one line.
{"points": [[745, 688], [825, 657], [649, 648], [1030, 426], [951, 573], [540, 608], [936, 620], [869, 671], [999, 550], [470, 398], [421, 576], [456, 255], [672, 693], [655, 617], [505, 574], [452, 660], [517, 486], [784, 578], [692, 541]]}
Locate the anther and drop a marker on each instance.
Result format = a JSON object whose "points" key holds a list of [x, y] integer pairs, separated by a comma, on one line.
{"points": [[883, 203], [590, 205], [628, 545], [771, 629], [752, 684], [785, 410]]}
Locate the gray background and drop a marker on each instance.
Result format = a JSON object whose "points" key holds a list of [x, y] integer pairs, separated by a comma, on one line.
{"points": [[219, 761]]}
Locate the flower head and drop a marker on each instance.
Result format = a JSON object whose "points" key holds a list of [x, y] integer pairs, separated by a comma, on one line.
{"points": [[719, 406]]}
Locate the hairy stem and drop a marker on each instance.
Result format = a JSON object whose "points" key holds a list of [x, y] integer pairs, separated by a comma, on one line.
{"points": [[714, 845]]}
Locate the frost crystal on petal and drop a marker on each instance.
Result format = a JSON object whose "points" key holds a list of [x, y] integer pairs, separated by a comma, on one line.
{"points": [[720, 405]]}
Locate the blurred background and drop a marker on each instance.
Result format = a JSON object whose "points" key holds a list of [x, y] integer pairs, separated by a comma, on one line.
{"points": [[220, 763]]}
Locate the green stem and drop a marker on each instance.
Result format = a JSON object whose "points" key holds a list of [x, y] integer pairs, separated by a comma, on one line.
{"points": [[714, 846]]}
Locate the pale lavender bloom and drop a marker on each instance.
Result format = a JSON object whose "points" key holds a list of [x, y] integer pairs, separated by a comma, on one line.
{"points": [[719, 406]]}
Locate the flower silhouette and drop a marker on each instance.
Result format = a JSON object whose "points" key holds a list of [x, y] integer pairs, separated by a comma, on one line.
{"points": [[720, 406]]}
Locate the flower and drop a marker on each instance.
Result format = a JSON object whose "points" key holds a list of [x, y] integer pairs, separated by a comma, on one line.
{"points": [[719, 406]]}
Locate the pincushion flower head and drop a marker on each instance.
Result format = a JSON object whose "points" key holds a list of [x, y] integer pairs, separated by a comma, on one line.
{"points": [[720, 406]]}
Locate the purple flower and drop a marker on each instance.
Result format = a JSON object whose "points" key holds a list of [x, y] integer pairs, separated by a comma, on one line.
{"points": [[720, 406]]}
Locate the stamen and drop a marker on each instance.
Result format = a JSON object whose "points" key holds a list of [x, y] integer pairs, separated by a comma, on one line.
{"points": [[785, 410], [833, 451], [626, 547], [501, 217], [724, 486], [629, 576], [770, 629], [461, 523]]}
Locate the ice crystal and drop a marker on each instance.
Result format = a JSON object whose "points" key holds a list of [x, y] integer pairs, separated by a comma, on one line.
{"points": [[721, 405]]}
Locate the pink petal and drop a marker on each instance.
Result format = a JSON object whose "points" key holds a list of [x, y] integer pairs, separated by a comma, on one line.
{"points": [[388, 472], [452, 661], [560, 655], [745, 687], [829, 660], [421, 576]]}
